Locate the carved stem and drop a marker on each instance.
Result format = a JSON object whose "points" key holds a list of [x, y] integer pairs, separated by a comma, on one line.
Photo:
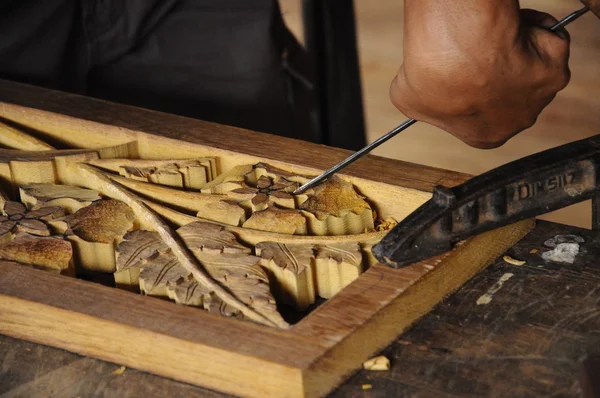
{"points": [[173, 241]]}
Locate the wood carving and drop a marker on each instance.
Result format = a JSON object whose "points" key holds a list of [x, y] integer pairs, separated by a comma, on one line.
{"points": [[25, 237], [17, 219], [69, 198], [227, 261], [333, 208], [306, 271], [95, 231], [51, 253], [183, 173], [104, 193], [210, 224]]}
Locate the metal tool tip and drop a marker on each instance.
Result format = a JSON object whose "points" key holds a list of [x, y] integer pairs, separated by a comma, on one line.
{"points": [[312, 183], [301, 190]]}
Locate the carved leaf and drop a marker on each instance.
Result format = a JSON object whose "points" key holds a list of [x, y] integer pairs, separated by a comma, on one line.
{"points": [[102, 221], [70, 198], [182, 173], [292, 268], [99, 180], [212, 207], [337, 266], [276, 220], [334, 208], [211, 238], [304, 271], [225, 259], [138, 247]]}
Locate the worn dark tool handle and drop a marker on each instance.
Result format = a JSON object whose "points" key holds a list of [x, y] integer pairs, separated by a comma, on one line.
{"points": [[519, 190], [594, 5]]}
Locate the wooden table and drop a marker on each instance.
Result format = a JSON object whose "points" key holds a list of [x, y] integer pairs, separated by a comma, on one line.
{"points": [[530, 340]]}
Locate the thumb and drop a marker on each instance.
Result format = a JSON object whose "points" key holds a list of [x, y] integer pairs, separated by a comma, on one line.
{"points": [[554, 46], [533, 18]]}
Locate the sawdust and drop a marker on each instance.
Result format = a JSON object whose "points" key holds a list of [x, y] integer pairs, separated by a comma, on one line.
{"points": [[380, 363], [514, 261]]}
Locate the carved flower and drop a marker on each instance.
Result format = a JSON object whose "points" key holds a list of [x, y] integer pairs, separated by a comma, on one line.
{"points": [[268, 190], [16, 218]]}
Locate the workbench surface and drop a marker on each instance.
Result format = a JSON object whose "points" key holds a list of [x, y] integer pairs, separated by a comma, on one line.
{"points": [[540, 323]]}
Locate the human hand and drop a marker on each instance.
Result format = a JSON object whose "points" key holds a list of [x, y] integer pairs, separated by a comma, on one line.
{"points": [[482, 70]]}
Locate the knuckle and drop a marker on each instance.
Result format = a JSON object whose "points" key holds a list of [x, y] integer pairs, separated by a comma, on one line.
{"points": [[564, 78], [527, 121]]}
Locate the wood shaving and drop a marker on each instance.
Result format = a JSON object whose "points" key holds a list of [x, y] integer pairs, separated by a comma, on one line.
{"points": [[379, 363], [533, 251], [119, 371], [367, 386], [514, 261]]}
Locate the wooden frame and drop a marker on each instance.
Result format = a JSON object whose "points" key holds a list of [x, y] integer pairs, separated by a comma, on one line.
{"points": [[241, 358]]}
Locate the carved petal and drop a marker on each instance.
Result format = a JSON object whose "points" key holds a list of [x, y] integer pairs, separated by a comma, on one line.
{"points": [[281, 195], [102, 221], [285, 186], [241, 194], [33, 227], [35, 196], [12, 208], [245, 191], [283, 199], [6, 227], [43, 252], [335, 197], [46, 213], [264, 182], [260, 200], [275, 220]]}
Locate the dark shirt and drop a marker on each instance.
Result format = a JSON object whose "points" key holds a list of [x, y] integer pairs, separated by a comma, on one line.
{"points": [[218, 60]]}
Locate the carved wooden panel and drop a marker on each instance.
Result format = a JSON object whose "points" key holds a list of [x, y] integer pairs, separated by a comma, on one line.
{"points": [[184, 229], [193, 260]]}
